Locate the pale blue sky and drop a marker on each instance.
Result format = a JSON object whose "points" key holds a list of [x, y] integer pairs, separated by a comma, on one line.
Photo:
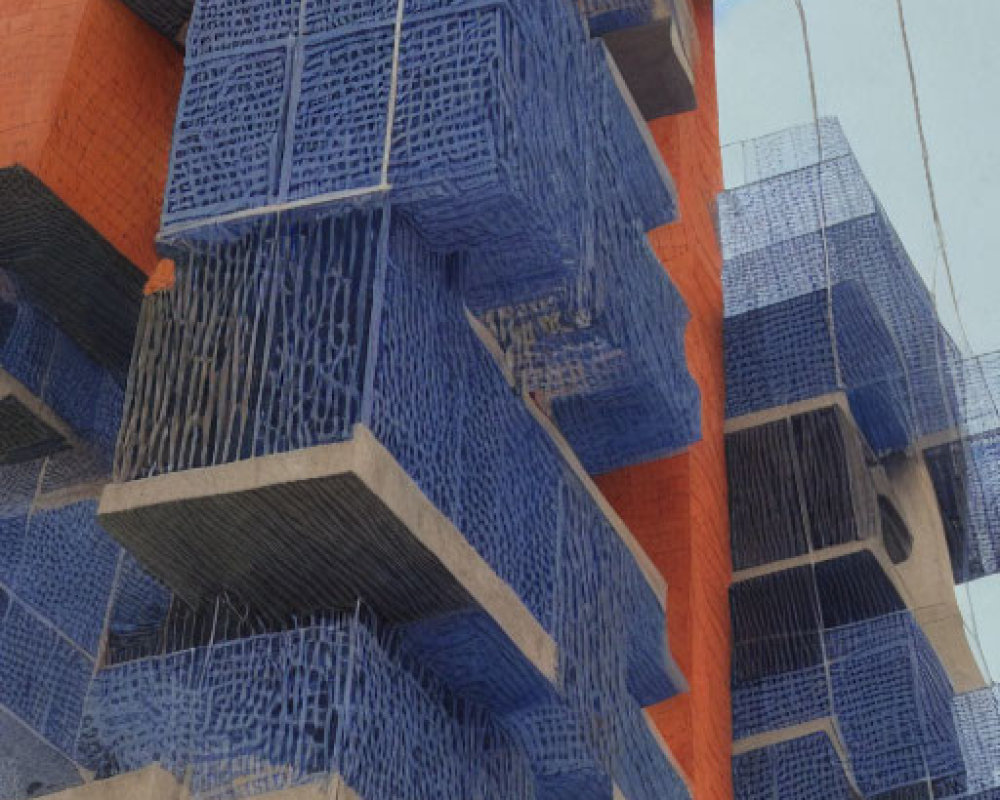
{"points": [[861, 77]]}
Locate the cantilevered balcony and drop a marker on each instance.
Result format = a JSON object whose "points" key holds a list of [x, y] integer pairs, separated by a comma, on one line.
{"points": [[654, 45], [312, 420], [805, 492]]}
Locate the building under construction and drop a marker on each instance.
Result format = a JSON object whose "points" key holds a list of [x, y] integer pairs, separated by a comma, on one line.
{"points": [[394, 406]]}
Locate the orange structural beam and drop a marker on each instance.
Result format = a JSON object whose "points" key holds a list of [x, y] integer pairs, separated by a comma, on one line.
{"points": [[677, 507], [88, 93]]}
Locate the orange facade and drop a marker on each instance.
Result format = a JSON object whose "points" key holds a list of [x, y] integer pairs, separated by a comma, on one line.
{"points": [[677, 507], [88, 93]]}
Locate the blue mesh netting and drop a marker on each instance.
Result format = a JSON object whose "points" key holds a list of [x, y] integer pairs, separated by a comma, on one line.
{"points": [[50, 365], [17, 490], [57, 572], [66, 569], [84, 395], [139, 609], [511, 140], [807, 768], [779, 677], [284, 321], [30, 767], [401, 303], [779, 348], [277, 710], [469, 652], [605, 345], [791, 234], [783, 353], [56, 569], [977, 718], [461, 447], [787, 150], [780, 701], [269, 711], [966, 476], [966, 470], [607, 354], [226, 139], [43, 676], [474, 155], [775, 621], [472, 79], [26, 347], [889, 696], [283, 333], [831, 638], [797, 485], [338, 138], [893, 704]]}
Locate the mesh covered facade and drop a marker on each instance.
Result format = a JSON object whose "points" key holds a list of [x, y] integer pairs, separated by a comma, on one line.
{"points": [[349, 185], [538, 169], [799, 484], [824, 221], [460, 448], [829, 324], [806, 767], [272, 711], [58, 567], [59, 573], [852, 316], [881, 682]]}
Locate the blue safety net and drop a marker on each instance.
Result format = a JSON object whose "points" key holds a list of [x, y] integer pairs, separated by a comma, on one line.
{"points": [[138, 620], [847, 401], [350, 183], [880, 681], [54, 371], [821, 299], [500, 131], [359, 302], [797, 234], [309, 97], [799, 769], [58, 569], [977, 718], [271, 711], [44, 676], [337, 697], [966, 476], [785, 350], [799, 484], [30, 766]]}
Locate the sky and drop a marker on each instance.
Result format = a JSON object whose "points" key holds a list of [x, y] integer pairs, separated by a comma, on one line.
{"points": [[861, 78]]}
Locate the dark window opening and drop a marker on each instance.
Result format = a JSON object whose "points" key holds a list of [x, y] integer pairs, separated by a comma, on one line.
{"points": [[896, 536]]}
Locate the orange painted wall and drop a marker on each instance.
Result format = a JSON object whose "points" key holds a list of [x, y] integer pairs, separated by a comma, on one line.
{"points": [[88, 93], [677, 507]]}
